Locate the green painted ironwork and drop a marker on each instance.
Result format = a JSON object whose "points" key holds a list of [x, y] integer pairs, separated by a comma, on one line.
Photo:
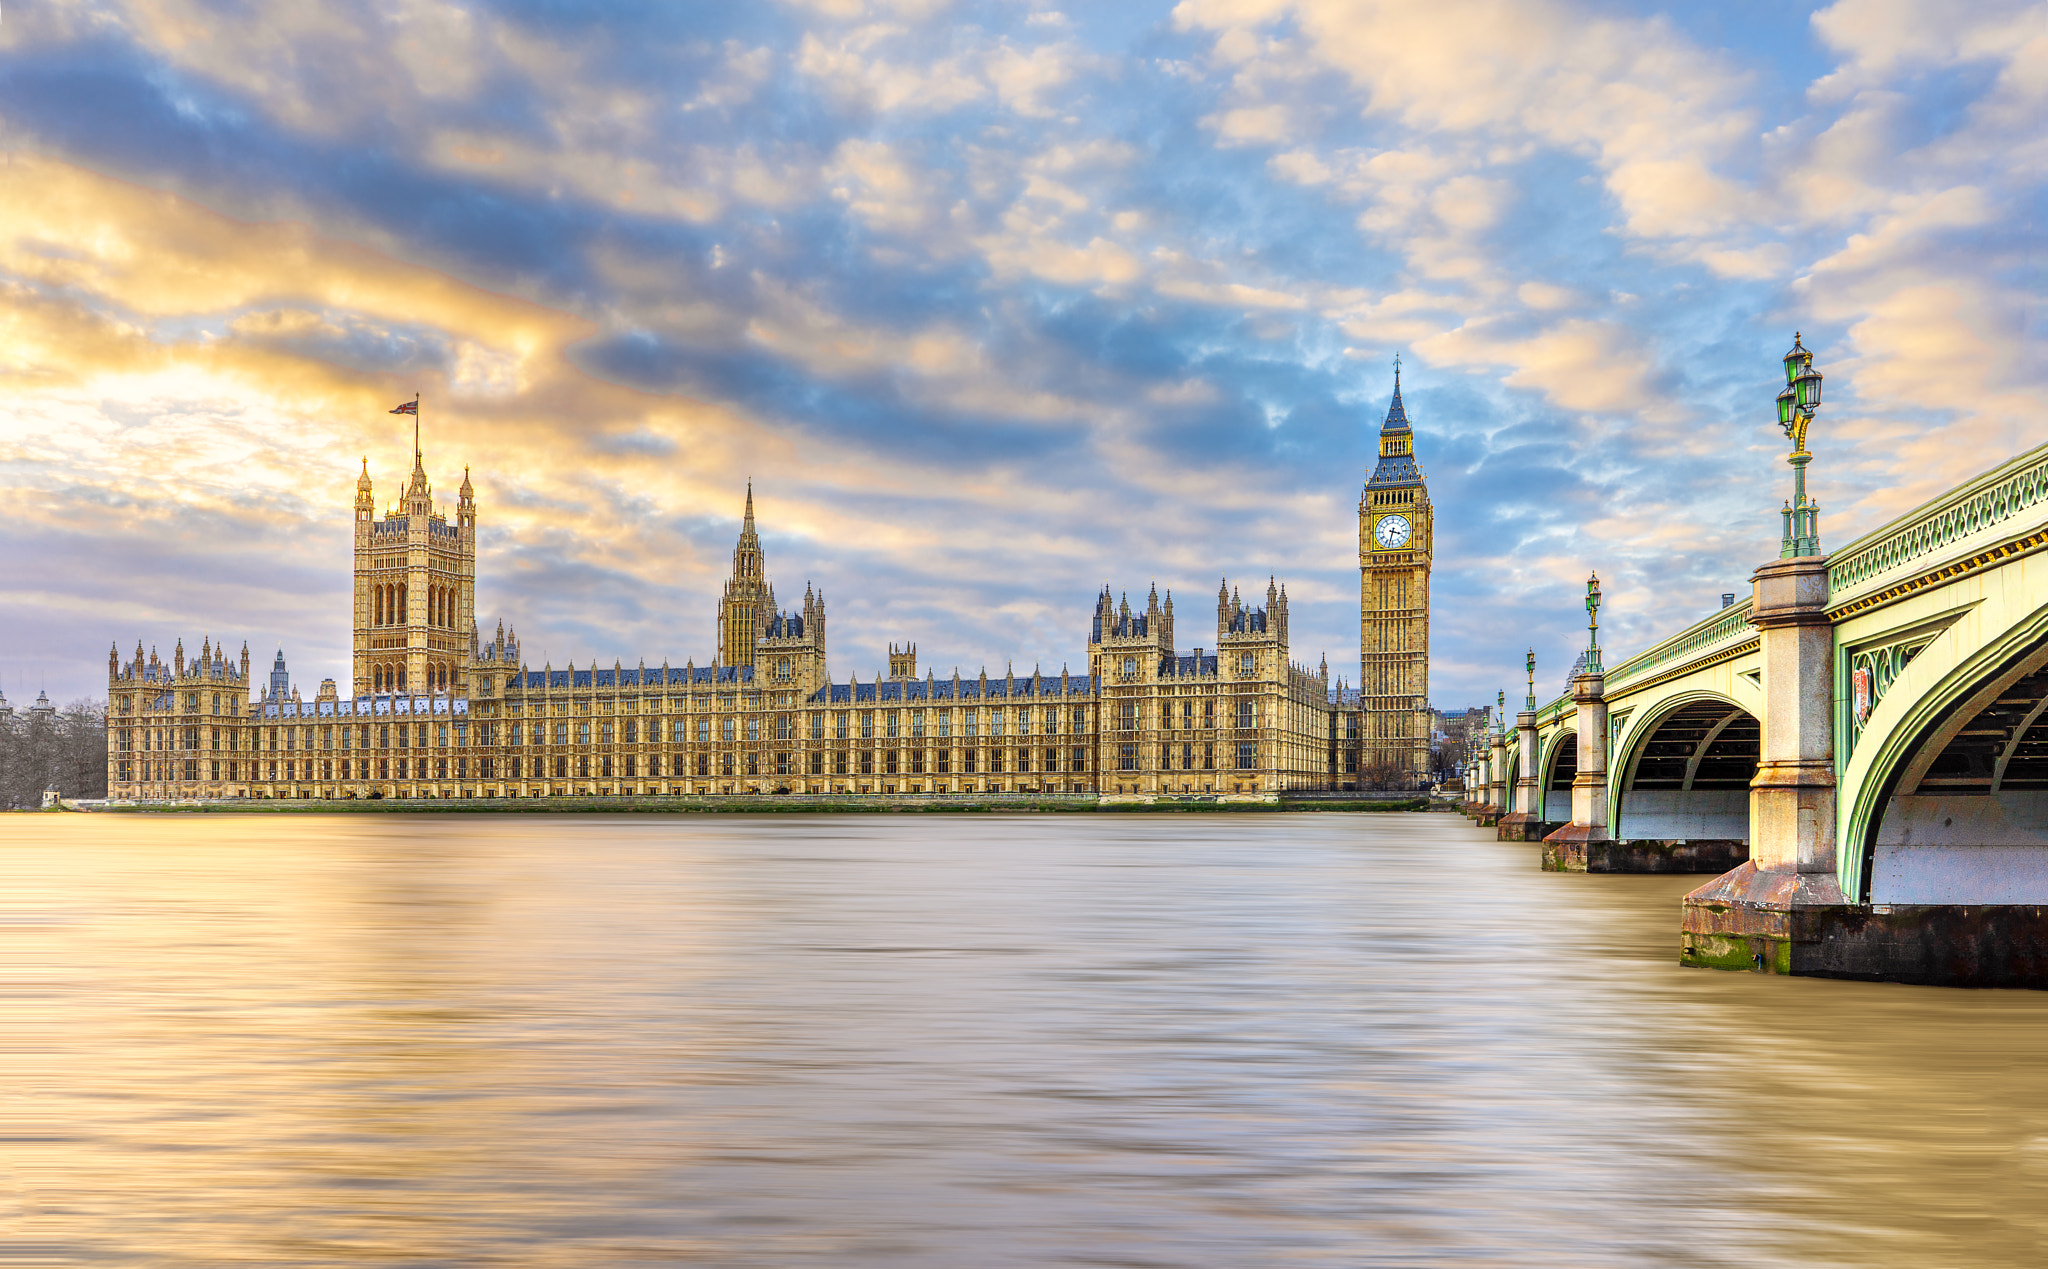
{"points": [[1993, 499], [1883, 665]]}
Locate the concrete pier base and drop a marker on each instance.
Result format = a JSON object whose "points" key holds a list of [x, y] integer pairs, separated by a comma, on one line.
{"points": [[1799, 923], [1486, 816], [1517, 826], [1699, 855]]}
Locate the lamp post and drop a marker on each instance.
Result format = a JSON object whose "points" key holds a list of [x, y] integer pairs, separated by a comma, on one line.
{"points": [[1530, 704], [1593, 624], [1796, 406]]}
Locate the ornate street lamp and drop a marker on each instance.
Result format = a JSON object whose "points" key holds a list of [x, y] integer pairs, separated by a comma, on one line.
{"points": [[1500, 715], [1531, 706], [1593, 624], [1796, 406]]}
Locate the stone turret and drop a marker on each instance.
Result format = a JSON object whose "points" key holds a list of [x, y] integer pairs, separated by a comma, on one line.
{"points": [[903, 661], [791, 648]]}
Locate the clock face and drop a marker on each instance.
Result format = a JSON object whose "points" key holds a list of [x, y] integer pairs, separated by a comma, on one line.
{"points": [[1390, 532]]}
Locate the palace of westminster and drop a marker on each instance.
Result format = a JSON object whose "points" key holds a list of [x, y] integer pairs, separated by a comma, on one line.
{"points": [[437, 711]]}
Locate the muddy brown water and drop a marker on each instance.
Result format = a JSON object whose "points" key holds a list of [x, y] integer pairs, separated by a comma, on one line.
{"points": [[893, 1040]]}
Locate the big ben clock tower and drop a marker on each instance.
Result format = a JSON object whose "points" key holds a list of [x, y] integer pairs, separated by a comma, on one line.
{"points": [[1394, 542]]}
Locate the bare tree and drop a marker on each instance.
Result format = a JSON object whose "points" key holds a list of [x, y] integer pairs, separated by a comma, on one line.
{"points": [[48, 749], [1385, 773]]}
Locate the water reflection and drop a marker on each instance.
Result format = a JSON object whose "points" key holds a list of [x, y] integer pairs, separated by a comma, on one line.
{"points": [[1115, 1040]]}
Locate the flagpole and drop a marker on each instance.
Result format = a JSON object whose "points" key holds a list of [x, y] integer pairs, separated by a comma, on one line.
{"points": [[415, 424]]}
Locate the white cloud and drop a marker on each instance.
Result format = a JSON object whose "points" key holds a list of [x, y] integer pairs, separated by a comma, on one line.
{"points": [[852, 71]]}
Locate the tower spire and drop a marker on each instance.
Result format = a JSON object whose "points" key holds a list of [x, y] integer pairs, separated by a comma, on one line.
{"points": [[1397, 413], [747, 607]]}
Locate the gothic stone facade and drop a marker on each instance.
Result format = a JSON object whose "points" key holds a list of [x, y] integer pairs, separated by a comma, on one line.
{"points": [[436, 710], [1396, 529]]}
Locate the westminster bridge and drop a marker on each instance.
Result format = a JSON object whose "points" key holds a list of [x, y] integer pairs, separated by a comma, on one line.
{"points": [[1859, 748]]}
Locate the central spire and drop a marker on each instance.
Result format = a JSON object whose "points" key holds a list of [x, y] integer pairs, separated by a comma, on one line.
{"points": [[748, 605]]}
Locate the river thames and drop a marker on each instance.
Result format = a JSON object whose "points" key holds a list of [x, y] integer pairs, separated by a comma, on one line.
{"points": [[960, 1040]]}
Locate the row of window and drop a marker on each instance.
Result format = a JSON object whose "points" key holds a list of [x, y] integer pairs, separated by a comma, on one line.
{"points": [[1247, 665], [125, 704], [389, 605], [1192, 757], [394, 677], [1127, 715], [490, 767], [840, 726]]}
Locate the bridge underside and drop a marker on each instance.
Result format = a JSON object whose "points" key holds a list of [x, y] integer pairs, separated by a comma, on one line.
{"points": [[1682, 802], [1968, 822], [1557, 786]]}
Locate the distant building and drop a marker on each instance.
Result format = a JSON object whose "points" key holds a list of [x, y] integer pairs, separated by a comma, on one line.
{"points": [[436, 710], [1456, 733]]}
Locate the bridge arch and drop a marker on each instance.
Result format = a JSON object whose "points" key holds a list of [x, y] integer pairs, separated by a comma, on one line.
{"points": [[1554, 776], [1685, 772], [1511, 766], [1944, 793]]}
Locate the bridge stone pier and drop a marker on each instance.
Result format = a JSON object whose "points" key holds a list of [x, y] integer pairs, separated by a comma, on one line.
{"points": [[1497, 777], [1859, 748], [1524, 820], [1482, 785]]}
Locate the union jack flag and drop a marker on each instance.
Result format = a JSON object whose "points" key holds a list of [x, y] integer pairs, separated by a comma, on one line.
{"points": [[410, 407]]}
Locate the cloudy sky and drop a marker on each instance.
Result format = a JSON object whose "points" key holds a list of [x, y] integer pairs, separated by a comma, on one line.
{"points": [[995, 302]]}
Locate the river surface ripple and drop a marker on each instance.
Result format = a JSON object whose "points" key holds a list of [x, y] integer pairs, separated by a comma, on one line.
{"points": [[944, 1040]]}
